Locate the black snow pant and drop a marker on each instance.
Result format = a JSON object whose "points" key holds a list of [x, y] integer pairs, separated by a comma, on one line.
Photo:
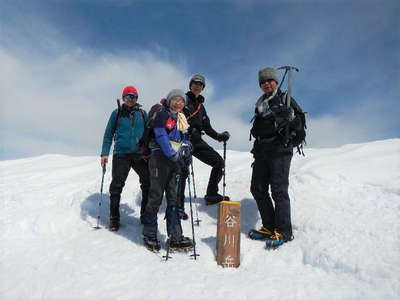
{"points": [[206, 154], [122, 163], [164, 176], [273, 171]]}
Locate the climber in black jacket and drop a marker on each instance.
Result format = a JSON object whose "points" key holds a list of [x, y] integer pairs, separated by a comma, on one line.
{"points": [[199, 122]]}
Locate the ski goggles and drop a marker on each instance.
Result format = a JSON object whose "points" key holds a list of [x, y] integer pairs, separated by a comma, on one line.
{"points": [[130, 97]]}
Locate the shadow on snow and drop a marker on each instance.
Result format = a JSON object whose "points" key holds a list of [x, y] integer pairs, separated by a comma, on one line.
{"points": [[130, 225]]}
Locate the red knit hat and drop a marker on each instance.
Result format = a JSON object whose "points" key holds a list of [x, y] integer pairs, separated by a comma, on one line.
{"points": [[130, 90]]}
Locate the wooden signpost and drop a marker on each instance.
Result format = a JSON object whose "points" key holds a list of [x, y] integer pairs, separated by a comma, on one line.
{"points": [[228, 234]]}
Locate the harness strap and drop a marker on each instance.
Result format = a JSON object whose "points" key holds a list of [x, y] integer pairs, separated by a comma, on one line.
{"points": [[195, 112]]}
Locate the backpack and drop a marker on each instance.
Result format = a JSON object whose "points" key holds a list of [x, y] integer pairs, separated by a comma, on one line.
{"points": [[297, 135], [148, 133]]}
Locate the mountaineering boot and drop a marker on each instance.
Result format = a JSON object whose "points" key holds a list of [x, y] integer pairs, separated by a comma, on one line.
{"points": [[260, 234], [211, 199], [114, 223], [174, 228], [182, 215], [152, 244], [277, 239], [184, 243]]}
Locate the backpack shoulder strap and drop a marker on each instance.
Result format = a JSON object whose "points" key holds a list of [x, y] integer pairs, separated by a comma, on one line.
{"points": [[118, 115], [196, 111], [142, 112]]}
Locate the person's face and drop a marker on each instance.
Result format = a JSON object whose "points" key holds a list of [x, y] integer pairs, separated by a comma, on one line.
{"points": [[177, 104], [130, 100], [196, 88], [268, 86]]}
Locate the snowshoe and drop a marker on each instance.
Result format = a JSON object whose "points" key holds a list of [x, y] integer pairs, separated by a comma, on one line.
{"points": [[276, 240], [214, 199], [182, 215], [184, 244], [114, 223], [260, 234], [152, 245]]}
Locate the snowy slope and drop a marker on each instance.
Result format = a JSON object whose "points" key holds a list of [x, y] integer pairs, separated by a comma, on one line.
{"points": [[345, 207]]}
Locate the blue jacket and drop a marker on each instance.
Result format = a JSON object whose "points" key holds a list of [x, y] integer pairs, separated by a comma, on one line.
{"points": [[166, 134], [127, 133]]}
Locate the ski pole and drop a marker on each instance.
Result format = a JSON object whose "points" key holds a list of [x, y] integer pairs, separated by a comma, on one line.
{"points": [[191, 218], [101, 197], [196, 204], [223, 173]]}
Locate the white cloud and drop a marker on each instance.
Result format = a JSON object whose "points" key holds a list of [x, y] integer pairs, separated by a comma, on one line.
{"points": [[68, 98], [333, 131], [227, 114], [61, 104], [369, 121]]}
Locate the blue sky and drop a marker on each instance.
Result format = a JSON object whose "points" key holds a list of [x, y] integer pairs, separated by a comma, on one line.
{"points": [[74, 57]]}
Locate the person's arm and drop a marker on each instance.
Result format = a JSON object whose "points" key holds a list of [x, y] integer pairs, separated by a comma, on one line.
{"points": [[107, 138], [161, 135], [207, 126], [253, 130]]}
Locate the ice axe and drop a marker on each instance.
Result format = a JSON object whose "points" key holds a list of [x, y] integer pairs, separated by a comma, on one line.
{"points": [[288, 70]]}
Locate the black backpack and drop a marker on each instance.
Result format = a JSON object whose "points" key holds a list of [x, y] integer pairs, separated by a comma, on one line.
{"points": [[148, 133], [297, 135]]}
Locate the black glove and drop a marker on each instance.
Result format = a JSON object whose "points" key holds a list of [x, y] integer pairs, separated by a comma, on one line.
{"points": [[185, 152], [175, 158], [223, 137], [183, 157]]}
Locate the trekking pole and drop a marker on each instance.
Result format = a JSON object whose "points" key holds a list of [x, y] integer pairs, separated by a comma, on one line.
{"points": [[289, 70], [191, 218], [223, 173], [166, 256], [178, 178], [196, 204], [101, 198]]}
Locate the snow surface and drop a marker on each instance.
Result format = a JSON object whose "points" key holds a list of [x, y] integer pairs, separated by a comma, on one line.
{"points": [[345, 208]]}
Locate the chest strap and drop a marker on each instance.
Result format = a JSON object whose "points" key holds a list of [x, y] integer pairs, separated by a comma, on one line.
{"points": [[196, 111]]}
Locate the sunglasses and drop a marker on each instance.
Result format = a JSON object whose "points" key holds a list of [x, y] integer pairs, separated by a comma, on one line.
{"points": [[130, 97], [268, 80]]}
